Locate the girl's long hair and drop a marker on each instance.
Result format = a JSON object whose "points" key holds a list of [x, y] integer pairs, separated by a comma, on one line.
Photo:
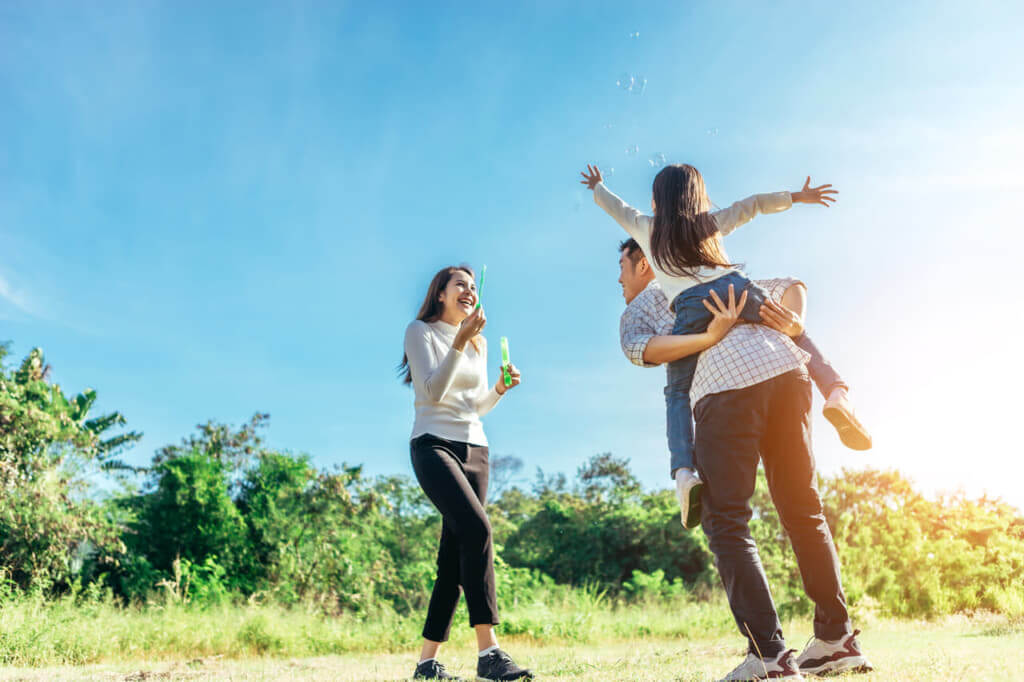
{"points": [[432, 308], [685, 237]]}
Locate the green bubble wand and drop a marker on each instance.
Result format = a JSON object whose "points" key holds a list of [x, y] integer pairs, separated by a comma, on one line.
{"points": [[505, 362], [480, 287]]}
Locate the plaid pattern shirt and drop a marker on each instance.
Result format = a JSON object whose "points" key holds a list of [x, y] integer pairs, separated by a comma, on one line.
{"points": [[748, 355]]}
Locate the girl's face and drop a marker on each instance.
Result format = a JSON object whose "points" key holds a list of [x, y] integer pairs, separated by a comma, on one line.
{"points": [[458, 298]]}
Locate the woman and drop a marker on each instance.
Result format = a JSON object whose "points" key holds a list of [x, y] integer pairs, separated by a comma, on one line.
{"points": [[446, 362]]}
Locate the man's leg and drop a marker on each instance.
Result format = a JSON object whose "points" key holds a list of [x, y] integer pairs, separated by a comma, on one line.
{"points": [[789, 468], [728, 433]]}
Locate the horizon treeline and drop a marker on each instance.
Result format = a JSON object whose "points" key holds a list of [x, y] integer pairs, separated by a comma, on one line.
{"points": [[220, 517]]}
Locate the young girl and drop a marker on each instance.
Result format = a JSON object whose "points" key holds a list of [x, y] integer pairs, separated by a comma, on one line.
{"points": [[446, 362], [683, 242]]}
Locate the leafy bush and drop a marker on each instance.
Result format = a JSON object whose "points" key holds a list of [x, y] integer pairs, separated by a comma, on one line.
{"points": [[51, 531], [602, 531]]}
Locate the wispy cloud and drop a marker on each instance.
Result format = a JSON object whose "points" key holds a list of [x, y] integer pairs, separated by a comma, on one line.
{"points": [[16, 297]]}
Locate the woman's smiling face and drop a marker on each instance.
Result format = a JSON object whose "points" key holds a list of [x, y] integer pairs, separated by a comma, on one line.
{"points": [[458, 297]]}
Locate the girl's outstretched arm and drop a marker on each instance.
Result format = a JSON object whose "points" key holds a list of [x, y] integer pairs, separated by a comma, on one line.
{"points": [[742, 212], [592, 177], [815, 195], [632, 221]]}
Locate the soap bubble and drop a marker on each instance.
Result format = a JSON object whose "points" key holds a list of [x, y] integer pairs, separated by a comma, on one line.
{"points": [[634, 34], [657, 161], [712, 131], [631, 82], [633, 150]]}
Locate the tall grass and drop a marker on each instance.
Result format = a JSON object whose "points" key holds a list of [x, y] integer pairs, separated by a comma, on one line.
{"points": [[83, 629]]}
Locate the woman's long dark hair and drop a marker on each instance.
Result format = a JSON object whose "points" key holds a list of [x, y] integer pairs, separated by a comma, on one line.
{"points": [[685, 236], [432, 309]]}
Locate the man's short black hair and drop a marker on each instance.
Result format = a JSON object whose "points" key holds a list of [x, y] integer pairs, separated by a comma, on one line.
{"points": [[632, 250]]}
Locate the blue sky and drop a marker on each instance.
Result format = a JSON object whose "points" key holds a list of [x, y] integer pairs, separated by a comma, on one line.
{"points": [[208, 211]]}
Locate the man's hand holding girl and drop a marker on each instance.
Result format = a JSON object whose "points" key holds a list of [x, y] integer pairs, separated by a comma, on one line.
{"points": [[724, 316], [781, 318]]}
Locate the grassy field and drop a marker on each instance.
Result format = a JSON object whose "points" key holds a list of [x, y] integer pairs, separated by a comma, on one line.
{"points": [[693, 642], [951, 650]]}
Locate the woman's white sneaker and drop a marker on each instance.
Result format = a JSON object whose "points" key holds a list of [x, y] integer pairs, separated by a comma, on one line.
{"points": [[781, 667], [822, 657]]}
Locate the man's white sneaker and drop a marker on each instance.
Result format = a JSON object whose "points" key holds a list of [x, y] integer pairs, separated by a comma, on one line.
{"points": [[688, 490], [820, 657], [781, 667]]}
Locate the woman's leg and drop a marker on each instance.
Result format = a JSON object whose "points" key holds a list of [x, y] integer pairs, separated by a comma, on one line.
{"points": [[478, 471], [439, 467], [445, 596]]}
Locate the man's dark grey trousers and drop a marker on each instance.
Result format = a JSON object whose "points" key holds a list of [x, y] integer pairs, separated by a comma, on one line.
{"points": [[770, 422]]}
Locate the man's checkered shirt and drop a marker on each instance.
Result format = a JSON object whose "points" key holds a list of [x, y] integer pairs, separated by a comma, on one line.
{"points": [[748, 355]]}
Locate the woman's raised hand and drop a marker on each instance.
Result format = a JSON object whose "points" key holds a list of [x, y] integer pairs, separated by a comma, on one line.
{"points": [[725, 316], [470, 327], [593, 178], [814, 195], [513, 372], [781, 318]]}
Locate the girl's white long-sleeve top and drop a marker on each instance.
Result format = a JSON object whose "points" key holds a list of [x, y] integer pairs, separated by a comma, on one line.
{"points": [[639, 227], [451, 388]]}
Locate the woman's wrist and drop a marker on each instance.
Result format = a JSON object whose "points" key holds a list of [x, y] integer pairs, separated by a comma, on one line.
{"points": [[497, 388]]}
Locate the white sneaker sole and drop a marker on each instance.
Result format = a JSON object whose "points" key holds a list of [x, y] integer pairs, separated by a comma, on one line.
{"points": [[848, 664], [851, 432], [779, 677], [693, 507]]}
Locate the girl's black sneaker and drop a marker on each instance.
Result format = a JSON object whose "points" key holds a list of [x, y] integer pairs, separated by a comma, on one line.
{"points": [[498, 666], [432, 670]]}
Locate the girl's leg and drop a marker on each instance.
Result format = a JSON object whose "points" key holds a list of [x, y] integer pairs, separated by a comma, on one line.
{"points": [[679, 419], [821, 370], [693, 318], [838, 409], [825, 376]]}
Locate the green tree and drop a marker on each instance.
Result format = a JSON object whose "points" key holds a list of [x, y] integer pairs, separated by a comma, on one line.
{"points": [[51, 529], [602, 531]]}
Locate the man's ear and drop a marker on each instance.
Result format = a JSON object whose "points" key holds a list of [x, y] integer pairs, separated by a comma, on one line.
{"points": [[642, 266]]}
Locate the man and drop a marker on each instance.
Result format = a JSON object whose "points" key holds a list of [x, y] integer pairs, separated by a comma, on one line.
{"points": [[645, 333], [752, 398]]}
